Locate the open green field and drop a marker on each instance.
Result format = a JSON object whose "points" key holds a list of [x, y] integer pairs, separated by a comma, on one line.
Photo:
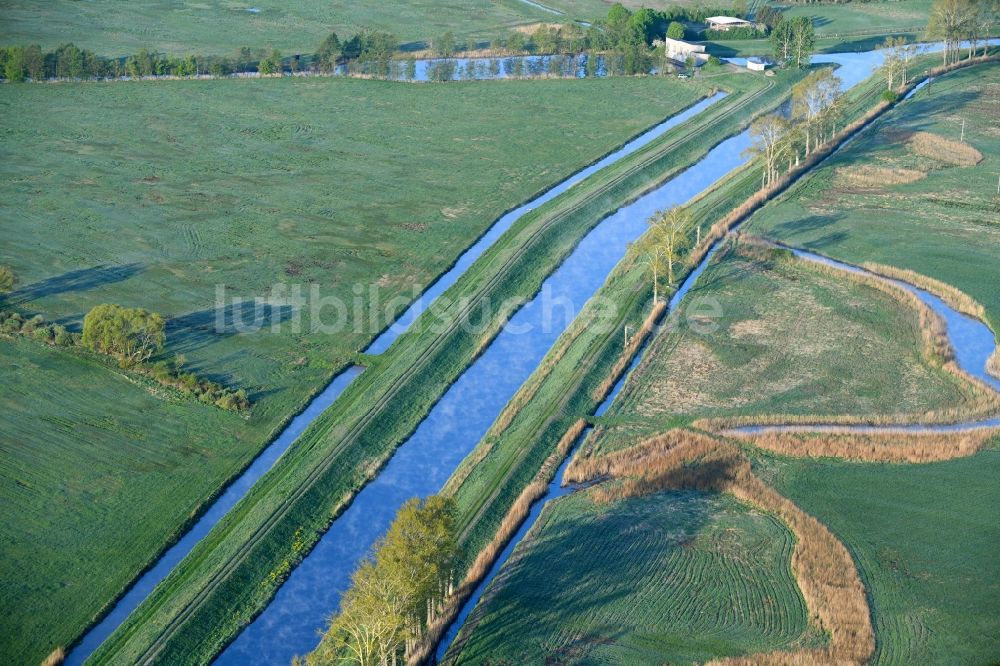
{"points": [[151, 194], [944, 224], [924, 538], [222, 26], [667, 578], [842, 26]]}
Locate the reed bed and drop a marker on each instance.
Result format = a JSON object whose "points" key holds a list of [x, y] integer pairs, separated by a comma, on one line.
{"points": [[873, 447], [937, 147], [822, 566], [650, 457], [993, 364], [956, 298], [487, 556], [55, 657]]}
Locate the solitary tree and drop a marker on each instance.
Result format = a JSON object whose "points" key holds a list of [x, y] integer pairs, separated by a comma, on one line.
{"points": [[130, 334], [675, 30]]}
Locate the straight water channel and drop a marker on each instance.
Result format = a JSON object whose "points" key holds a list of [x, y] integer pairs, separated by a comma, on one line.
{"points": [[145, 584], [291, 623], [971, 339]]}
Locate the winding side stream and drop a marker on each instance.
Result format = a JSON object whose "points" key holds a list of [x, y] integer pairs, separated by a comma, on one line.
{"points": [[420, 466], [971, 339]]}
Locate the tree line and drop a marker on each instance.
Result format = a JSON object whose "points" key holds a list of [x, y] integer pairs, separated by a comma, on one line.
{"points": [[397, 591], [131, 336]]}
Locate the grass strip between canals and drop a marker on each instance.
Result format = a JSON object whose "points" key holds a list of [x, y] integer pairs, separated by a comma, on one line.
{"points": [[232, 574]]}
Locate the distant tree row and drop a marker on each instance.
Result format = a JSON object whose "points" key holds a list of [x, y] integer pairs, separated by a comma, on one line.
{"points": [[955, 21]]}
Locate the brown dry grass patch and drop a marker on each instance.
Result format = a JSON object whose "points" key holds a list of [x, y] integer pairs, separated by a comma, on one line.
{"points": [[993, 364], [868, 175], [936, 147], [55, 657], [908, 447]]}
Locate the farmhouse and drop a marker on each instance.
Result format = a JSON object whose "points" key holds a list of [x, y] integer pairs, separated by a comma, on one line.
{"points": [[725, 23], [680, 50]]}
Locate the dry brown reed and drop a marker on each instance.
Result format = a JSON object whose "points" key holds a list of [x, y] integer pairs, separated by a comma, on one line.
{"points": [[518, 511], [822, 566], [652, 456], [629, 352], [908, 447], [993, 364], [954, 297], [936, 147], [869, 175], [55, 657]]}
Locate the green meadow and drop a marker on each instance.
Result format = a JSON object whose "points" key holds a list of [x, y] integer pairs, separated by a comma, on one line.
{"points": [[924, 538], [675, 577], [153, 193], [222, 26]]}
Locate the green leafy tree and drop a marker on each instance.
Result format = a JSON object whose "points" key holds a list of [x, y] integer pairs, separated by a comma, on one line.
{"points": [[396, 593], [328, 53], [803, 40], [271, 64], [444, 46], [812, 98], [130, 334], [675, 30], [13, 67]]}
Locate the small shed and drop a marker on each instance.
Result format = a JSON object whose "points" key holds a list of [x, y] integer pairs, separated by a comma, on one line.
{"points": [[725, 23]]}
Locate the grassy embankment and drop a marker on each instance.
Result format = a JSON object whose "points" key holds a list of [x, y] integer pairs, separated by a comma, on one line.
{"points": [[945, 612], [218, 589], [151, 194]]}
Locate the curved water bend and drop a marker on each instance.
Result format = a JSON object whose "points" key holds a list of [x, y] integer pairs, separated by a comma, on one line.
{"points": [[233, 494], [422, 464], [266, 459], [442, 284], [971, 339]]}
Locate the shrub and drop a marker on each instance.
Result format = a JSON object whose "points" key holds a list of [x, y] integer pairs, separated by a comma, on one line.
{"points": [[43, 334], [62, 337], [33, 323], [12, 324], [890, 96]]}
